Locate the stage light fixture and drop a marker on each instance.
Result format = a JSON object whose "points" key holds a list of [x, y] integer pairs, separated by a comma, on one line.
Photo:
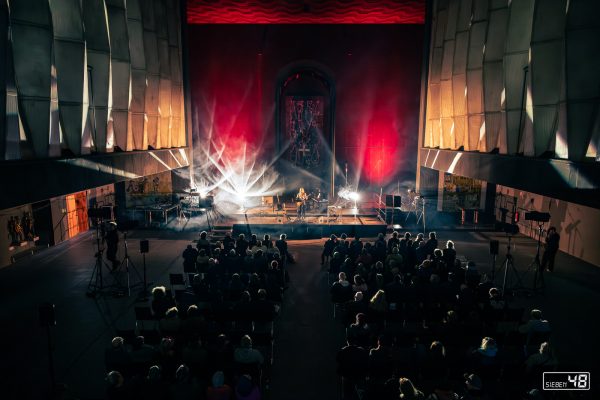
{"points": [[354, 196]]}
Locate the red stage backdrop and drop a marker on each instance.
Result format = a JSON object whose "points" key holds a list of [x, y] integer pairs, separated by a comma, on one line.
{"points": [[375, 68]]}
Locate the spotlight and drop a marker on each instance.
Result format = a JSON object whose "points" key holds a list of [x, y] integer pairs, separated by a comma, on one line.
{"points": [[396, 227], [353, 196]]}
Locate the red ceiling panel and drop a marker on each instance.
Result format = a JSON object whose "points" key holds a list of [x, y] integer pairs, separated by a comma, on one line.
{"points": [[306, 12]]}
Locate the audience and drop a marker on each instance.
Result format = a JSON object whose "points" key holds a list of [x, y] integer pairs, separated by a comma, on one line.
{"points": [[410, 310]]}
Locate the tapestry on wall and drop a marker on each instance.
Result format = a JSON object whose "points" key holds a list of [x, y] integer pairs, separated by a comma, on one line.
{"points": [[304, 127], [461, 192], [149, 190]]}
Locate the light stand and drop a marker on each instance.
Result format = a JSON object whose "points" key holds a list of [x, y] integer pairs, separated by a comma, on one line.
{"points": [[422, 214], [509, 264], [144, 248], [96, 282], [127, 262]]}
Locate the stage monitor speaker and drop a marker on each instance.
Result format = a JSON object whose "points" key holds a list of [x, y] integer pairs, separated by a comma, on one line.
{"points": [[389, 200], [47, 316], [144, 246], [494, 247], [397, 201]]}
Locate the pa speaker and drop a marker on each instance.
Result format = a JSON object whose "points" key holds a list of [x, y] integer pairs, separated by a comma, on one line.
{"points": [[47, 317], [389, 200], [397, 201], [494, 247], [144, 246]]}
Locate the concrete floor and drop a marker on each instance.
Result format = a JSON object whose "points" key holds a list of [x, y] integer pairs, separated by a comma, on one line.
{"points": [[307, 337]]}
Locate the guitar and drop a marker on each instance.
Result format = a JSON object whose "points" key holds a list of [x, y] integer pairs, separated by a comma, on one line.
{"points": [[301, 199]]}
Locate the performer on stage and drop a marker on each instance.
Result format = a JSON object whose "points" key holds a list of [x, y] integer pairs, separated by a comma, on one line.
{"points": [[301, 198]]}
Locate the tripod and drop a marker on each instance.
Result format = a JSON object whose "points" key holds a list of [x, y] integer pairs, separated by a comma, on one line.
{"points": [[96, 282], [538, 275], [127, 263], [509, 264]]}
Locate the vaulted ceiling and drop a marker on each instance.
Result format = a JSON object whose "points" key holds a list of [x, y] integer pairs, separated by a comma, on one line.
{"points": [[306, 12]]}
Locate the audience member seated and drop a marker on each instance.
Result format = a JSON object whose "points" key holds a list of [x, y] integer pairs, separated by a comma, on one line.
{"points": [[394, 260], [359, 284], [220, 355], [484, 360], [473, 388], [218, 390], [154, 387], [203, 243], [431, 244], [434, 366], [535, 324], [352, 366], [116, 389], [236, 287], [189, 259], [355, 307], [496, 302], [160, 303], [195, 356], [245, 354], [228, 241], [194, 322], [421, 252], [381, 363], [246, 389], [393, 290], [408, 391], [341, 290], [142, 355], [170, 325], [472, 276], [167, 357], [360, 332], [184, 387], [117, 358], [544, 359], [328, 249], [262, 310], [394, 241]]}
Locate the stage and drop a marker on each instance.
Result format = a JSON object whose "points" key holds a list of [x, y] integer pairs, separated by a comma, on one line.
{"points": [[362, 222]]}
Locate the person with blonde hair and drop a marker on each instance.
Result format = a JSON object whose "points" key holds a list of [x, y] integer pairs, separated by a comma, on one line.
{"points": [[542, 359], [408, 391], [160, 303]]}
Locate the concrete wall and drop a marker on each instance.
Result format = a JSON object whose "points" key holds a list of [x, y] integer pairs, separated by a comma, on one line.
{"points": [[90, 77], [577, 225]]}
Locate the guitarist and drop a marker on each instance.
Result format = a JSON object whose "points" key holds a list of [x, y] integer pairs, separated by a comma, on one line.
{"points": [[301, 198]]}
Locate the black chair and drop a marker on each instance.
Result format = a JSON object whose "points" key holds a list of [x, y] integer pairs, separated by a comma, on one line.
{"points": [[176, 280], [143, 314], [151, 336]]}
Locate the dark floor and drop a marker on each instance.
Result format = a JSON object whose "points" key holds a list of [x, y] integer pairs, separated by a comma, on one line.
{"points": [[307, 337]]}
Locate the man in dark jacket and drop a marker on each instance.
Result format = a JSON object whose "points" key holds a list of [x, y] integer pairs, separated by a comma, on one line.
{"points": [[551, 248]]}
